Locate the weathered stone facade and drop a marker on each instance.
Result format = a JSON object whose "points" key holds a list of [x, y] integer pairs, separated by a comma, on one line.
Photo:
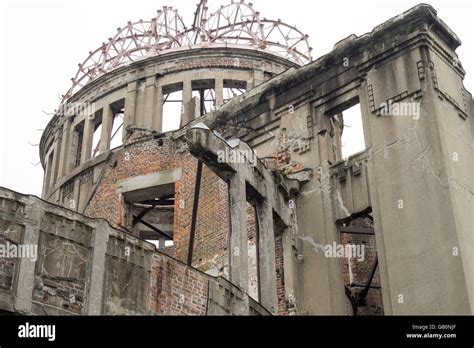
{"points": [[85, 267]]}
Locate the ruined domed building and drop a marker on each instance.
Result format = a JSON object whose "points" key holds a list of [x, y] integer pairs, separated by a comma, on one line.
{"points": [[197, 170]]}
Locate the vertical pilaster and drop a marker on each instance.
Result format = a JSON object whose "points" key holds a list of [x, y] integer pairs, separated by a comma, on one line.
{"points": [[266, 261], [239, 273], [321, 281], [56, 157], [158, 119], [149, 101], [65, 148], [188, 107], [89, 124], [26, 270], [130, 107], [97, 279], [219, 89], [291, 271], [107, 123]]}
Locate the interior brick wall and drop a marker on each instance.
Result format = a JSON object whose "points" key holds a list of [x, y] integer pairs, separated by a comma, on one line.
{"points": [[356, 273]]}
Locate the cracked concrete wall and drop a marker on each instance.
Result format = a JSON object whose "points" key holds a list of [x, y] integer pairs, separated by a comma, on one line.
{"points": [[409, 155], [422, 170]]}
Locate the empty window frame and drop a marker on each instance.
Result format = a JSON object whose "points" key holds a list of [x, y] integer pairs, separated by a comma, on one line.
{"points": [[352, 137], [116, 139], [172, 106], [205, 94], [233, 88], [96, 138], [153, 216]]}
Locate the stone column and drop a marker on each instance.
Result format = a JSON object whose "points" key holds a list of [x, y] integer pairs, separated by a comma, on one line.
{"points": [[107, 124], [149, 102], [188, 107], [97, 278], [239, 273], [65, 148], [72, 148], [26, 271], [54, 166], [88, 135], [47, 176], [219, 89], [257, 79], [158, 119], [130, 106]]}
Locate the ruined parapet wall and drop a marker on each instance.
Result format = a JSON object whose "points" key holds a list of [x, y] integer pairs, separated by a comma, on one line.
{"points": [[83, 266], [418, 174], [138, 92]]}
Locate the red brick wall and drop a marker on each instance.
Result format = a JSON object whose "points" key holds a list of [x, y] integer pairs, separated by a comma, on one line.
{"points": [[280, 277], [177, 289], [147, 157], [212, 231], [211, 252]]}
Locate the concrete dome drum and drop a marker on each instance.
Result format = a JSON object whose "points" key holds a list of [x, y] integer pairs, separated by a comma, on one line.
{"points": [[237, 24]]}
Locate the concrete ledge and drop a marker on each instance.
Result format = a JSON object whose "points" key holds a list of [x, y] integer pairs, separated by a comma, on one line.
{"points": [[134, 189]]}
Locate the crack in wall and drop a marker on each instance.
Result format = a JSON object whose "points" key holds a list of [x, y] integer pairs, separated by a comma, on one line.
{"points": [[314, 246]]}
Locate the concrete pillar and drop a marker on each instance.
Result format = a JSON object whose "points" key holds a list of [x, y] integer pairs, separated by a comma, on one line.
{"points": [[421, 186], [383, 267], [74, 205], [188, 107], [107, 124], [158, 118], [219, 89], [26, 270], [239, 273], [97, 278], [149, 111], [88, 136], [55, 164], [162, 243], [291, 271], [257, 79], [72, 149], [130, 107], [65, 148], [47, 176], [266, 252], [321, 282]]}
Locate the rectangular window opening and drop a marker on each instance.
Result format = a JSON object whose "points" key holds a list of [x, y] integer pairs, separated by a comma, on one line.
{"points": [[233, 88], [352, 139], [172, 110], [116, 139], [153, 215]]}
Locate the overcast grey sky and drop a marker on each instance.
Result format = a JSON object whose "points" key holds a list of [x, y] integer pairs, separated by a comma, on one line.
{"points": [[42, 42]]}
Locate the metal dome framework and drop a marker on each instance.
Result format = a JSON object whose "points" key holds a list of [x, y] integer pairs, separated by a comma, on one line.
{"points": [[235, 24]]}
